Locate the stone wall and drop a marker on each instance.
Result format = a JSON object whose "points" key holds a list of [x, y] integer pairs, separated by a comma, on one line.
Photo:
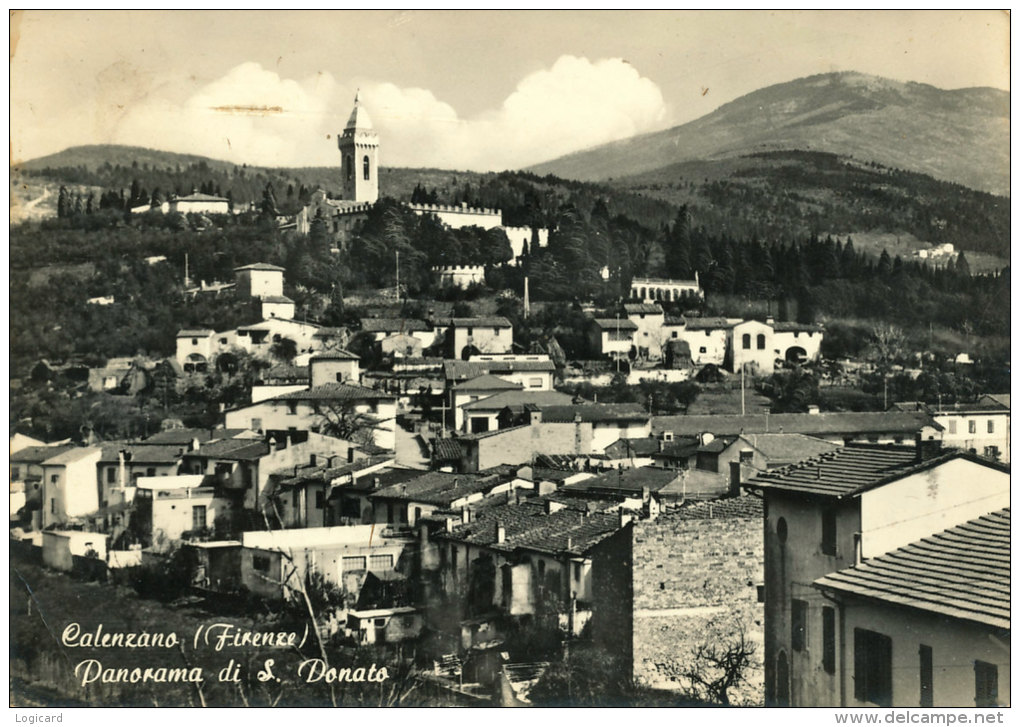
{"points": [[696, 576]]}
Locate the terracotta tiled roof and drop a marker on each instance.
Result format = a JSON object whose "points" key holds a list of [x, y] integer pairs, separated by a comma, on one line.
{"points": [[333, 392], [261, 266], [853, 469], [626, 481], [962, 572], [611, 324], [850, 423], [594, 412], [486, 382], [497, 402], [527, 526], [437, 488], [391, 325]]}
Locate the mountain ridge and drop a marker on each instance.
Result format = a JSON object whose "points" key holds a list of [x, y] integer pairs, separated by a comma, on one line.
{"points": [[957, 135]]}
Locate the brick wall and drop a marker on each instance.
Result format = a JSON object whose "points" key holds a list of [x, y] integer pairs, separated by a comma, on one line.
{"points": [[696, 572]]}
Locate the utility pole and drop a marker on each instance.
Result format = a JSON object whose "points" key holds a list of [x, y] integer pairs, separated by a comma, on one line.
{"points": [[185, 271], [398, 275], [742, 409]]}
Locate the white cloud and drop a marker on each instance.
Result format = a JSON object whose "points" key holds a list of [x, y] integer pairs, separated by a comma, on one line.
{"points": [[253, 115]]}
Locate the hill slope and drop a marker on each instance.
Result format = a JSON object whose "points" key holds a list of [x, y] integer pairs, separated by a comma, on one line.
{"points": [[960, 136]]}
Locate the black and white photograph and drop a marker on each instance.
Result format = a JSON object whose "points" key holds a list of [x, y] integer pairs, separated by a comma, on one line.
{"points": [[492, 358]]}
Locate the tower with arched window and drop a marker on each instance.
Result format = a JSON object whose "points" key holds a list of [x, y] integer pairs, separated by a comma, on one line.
{"points": [[359, 157]]}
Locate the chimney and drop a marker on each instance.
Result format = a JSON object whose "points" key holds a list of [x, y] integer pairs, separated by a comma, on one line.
{"points": [[926, 449], [500, 533], [193, 444], [570, 542], [734, 479], [465, 515]]}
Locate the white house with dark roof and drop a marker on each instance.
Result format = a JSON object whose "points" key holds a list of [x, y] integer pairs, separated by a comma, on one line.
{"points": [[482, 415], [335, 366], [202, 203], [926, 624], [476, 389], [470, 336], [612, 337], [649, 337], [840, 510], [69, 487], [371, 413]]}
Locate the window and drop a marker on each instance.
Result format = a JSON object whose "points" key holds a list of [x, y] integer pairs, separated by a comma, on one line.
{"points": [[15, 473], [674, 334], [198, 517], [194, 341], [541, 568], [389, 513], [829, 532], [508, 585], [872, 667], [535, 382], [150, 471], [453, 557], [746, 456], [260, 563], [927, 699], [781, 530], [366, 166], [798, 624], [971, 426], [353, 562], [111, 475], [761, 341], [952, 426], [223, 341], [746, 339], [256, 423], [379, 623], [829, 639], [991, 426], [339, 377], [54, 479], [320, 499], [380, 562], [986, 684], [577, 571], [53, 506], [992, 452], [349, 163], [471, 331]]}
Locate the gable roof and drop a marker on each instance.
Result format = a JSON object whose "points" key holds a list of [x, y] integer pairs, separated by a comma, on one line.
{"points": [[481, 322], [486, 382], [625, 481], [962, 572], [790, 327], [527, 526], [637, 308], [336, 354], [594, 413], [787, 448], [854, 469], [389, 325], [842, 423], [498, 402], [71, 455], [711, 323], [195, 333], [185, 436], [331, 392], [262, 266], [437, 488], [142, 453], [640, 447], [201, 197], [39, 454], [624, 324]]}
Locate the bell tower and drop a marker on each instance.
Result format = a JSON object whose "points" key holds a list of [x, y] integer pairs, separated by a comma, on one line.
{"points": [[359, 155]]}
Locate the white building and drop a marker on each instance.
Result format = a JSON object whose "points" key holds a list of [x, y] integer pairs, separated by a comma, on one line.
{"points": [[70, 487], [981, 428], [459, 276], [469, 336], [612, 337], [650, 290], [372, 413]]}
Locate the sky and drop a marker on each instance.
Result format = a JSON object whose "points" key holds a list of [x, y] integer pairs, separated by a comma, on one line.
{"points": [[479, 90]]}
